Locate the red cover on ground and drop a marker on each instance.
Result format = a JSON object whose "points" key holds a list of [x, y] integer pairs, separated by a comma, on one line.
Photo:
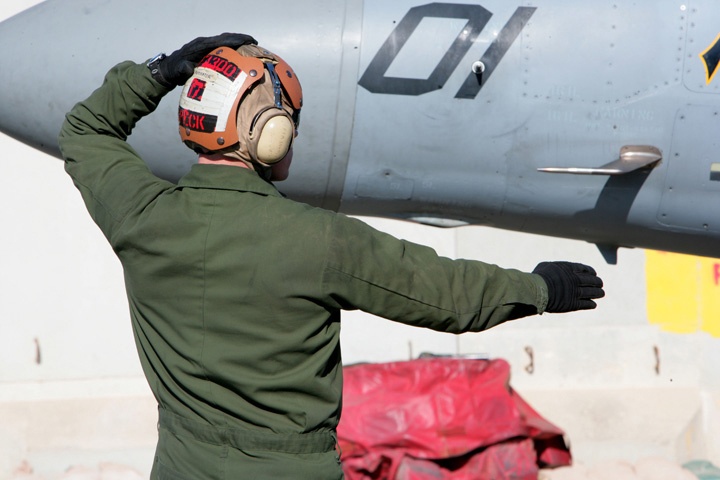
{"points": [[442, 418]]}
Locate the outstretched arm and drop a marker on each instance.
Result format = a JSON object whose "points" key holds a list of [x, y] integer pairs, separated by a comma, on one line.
{"points": [[409, 283]]}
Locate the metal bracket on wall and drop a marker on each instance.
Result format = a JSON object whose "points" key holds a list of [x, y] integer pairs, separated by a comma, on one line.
{"points": [[530, 367]]}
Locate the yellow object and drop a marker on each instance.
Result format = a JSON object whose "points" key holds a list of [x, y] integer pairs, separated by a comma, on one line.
{"points": [[683, 292]]}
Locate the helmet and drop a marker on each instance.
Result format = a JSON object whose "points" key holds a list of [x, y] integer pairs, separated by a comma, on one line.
{"points": [[243, 103]]}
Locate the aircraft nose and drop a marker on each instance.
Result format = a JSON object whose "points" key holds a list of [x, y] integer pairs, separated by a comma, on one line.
{"points": [[36, 89], [56, 53], [31, 107]]}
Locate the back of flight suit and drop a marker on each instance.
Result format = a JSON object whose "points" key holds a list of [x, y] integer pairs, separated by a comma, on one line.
{"points": [[235, 295]]}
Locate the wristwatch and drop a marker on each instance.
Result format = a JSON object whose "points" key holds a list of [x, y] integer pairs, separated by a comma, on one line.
{"points": [[154, 63]]}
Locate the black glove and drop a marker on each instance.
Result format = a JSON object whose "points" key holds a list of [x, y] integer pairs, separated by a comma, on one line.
{"points": [[571, 286], [177, 67]]}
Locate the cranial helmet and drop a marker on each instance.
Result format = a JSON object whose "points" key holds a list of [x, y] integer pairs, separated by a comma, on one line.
{"points": [[243, 103]]}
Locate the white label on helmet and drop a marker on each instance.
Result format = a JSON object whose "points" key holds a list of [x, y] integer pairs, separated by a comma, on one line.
{"points": [[211, 93]]}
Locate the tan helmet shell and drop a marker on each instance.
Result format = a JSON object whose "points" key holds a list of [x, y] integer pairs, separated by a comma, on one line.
{"points": [[209, 103]]}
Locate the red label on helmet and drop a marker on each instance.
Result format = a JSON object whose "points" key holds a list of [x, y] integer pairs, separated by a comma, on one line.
{"points": [[199, 122], [222, 66], [196, 90]]}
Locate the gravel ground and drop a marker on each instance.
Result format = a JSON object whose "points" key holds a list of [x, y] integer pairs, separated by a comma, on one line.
{"points": [[105, 471], [645, 469]]}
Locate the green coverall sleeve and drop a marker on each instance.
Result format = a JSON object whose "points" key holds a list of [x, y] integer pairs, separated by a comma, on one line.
{"points": [[113, 180], [410, 283]]}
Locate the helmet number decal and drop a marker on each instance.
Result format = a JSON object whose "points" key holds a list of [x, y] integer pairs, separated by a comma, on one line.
{"points": [[196, 90]]}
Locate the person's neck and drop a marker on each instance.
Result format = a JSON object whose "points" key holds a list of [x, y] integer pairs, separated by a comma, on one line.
{"points": [[210, 159]]}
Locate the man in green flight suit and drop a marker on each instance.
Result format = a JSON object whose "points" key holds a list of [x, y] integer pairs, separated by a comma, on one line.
{"points": [[235, 292]]}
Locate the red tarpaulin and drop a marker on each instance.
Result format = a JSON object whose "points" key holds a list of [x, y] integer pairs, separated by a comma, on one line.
{"points": [[442, 418]]}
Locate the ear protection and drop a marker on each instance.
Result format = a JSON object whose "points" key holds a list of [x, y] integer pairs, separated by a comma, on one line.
{"points": [[271, 137], [241, 105]]}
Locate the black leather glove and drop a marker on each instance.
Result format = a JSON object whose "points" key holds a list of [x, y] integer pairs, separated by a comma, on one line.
{"points": [[571, 286], [177, 67]]}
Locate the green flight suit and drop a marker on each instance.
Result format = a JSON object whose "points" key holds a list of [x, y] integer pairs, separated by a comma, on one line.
{"points": [[235, 295]]}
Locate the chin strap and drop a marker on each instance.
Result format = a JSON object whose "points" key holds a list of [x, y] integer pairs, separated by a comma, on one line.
{"points": [[264, 172]]}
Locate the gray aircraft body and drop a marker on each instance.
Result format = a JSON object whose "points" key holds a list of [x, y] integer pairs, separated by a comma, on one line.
{"points": [[597, 121]]}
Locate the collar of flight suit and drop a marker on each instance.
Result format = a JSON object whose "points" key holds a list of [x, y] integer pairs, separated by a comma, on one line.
{"points": [[225, 177]]}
